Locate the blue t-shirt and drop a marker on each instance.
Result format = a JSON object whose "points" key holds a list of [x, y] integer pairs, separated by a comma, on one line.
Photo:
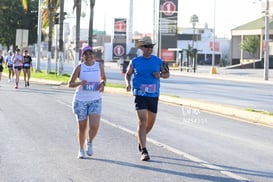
{"points": [[144, 83]]}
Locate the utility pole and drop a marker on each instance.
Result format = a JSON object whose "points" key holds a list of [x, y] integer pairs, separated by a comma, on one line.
{"points": [[61, 42], [130, 27], [39, 36], [266, 53]]}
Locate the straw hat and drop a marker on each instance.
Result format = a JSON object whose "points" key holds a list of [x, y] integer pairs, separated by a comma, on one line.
{"points": [[145, 41]]}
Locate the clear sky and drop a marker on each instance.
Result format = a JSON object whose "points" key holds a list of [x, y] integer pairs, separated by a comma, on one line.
{"points": [[228, 14]]}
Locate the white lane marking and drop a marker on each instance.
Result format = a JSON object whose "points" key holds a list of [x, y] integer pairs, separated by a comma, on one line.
{"points": [[63, 103], [179, 152], [174, 150]]}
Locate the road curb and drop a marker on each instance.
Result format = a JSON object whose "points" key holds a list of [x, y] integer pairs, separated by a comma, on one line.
{"points": [[218, 76], [226, 110], [38, 80]]}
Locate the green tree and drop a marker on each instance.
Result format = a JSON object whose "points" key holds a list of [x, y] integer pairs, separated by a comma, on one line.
{"points": [[48, 22], [14, 16], [251, 44]]}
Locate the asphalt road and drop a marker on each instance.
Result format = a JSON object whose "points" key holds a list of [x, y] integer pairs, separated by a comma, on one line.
{"points": [[242, 88], [238, 94], [212, 90], [38, 142]]}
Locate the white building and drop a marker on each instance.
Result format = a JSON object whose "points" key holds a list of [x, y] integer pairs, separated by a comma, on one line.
{"points": [[204, 39]]}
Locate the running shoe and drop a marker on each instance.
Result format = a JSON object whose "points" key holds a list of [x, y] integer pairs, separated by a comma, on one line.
{"points": [[89, 150], [81, 154], [144, 155], [16, 86], [28, 84]]}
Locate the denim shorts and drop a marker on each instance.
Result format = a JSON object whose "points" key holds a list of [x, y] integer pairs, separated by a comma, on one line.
{"points": [[82, 109]]}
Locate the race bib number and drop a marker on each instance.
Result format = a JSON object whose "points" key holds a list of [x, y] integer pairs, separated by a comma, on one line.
{"points": [[92, 86], [148, 88]]}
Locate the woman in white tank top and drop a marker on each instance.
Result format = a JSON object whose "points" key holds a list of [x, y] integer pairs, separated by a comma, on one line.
{"points": [[89, 80]]}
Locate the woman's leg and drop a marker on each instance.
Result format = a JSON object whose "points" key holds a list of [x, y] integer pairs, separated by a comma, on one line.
{"points": [[94, 122], [82, 127]]}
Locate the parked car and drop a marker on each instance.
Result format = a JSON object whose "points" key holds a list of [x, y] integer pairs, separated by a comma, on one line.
{"points": [[205, 61], [260, 64]]}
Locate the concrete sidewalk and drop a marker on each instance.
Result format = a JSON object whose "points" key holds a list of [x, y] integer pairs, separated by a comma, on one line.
{"points": [[239, 75]]}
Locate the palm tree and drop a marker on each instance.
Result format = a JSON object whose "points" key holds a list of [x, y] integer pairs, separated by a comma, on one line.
{"points": [[48, 23], [61, 47], [77, 5], [51, 6], [24, 4], [91, 21]]}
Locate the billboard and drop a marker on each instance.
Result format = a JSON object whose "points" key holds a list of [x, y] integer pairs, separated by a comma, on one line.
{"points": [[214, 46], [167, 34], [21, 38], [119, 41]]}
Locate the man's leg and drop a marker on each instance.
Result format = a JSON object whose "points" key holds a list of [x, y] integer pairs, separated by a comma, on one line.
{"points": [[141, 130]]}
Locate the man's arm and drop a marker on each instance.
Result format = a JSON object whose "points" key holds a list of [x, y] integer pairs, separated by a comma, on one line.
{"points": [[164, 70], [128, 76]]}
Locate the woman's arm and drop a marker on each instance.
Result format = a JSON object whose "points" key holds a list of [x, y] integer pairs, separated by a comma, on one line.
{"points": [[102, 77], [73, 78]]}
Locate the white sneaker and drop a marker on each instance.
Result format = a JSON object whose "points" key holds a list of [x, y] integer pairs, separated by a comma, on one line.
{"points": [[9, 80], [81, 154], [89, 150]]}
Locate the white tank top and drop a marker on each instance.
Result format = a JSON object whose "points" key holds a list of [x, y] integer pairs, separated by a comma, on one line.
{"points": [[16, 60], [89, 92]]}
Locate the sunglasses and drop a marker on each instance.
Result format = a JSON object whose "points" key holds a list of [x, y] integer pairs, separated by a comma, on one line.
{"points": [[148, 46]]}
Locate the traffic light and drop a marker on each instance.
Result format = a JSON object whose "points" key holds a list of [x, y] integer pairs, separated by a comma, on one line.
{"points": [[57, 18]]}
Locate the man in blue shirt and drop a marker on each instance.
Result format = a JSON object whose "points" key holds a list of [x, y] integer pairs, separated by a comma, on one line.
{"points": [[147, 70]]}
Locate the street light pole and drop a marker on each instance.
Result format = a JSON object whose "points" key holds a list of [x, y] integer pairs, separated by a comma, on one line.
{"points": [[160, 34], [266, 53], [194, 20]]}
